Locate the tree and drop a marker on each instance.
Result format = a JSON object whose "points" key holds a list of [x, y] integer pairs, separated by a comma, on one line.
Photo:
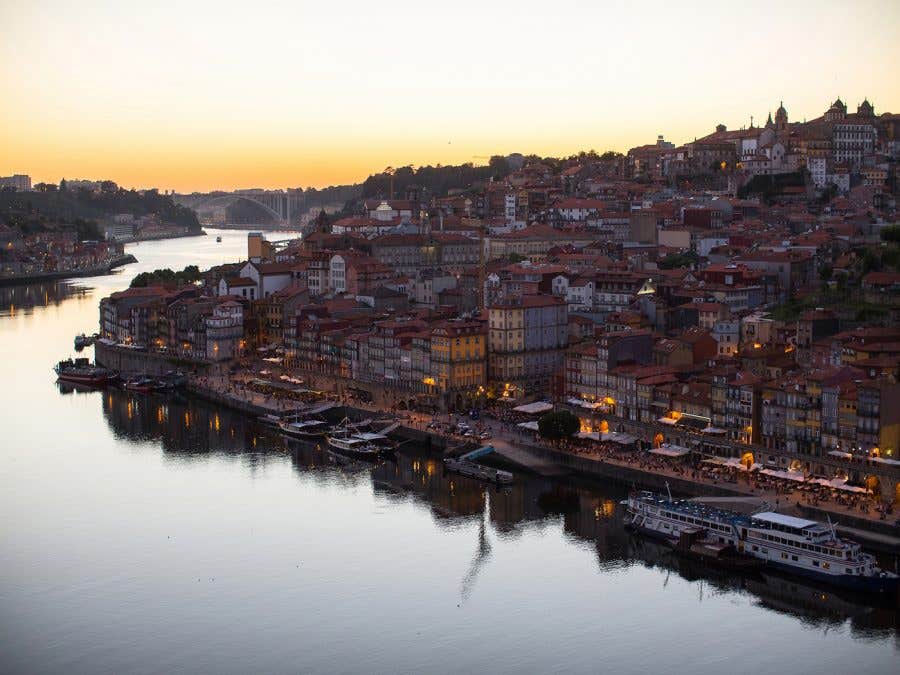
{"points": [[825, 272], [891, 234], [516, 257], [558, 425]]}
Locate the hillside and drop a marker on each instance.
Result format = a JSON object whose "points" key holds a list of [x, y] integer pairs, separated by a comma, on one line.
{"points": [[82, 210]]}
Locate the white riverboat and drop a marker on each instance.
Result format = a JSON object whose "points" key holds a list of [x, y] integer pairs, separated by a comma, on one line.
{"points": [[353, 446], [795, 545]]}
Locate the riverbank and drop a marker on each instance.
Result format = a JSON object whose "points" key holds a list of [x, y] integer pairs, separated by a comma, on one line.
{"points": [[95, 271], [551, 462], [241, 391], [160, 236]]}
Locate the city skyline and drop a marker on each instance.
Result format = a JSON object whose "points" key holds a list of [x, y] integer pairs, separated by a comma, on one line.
{"points": [[196, 100]]}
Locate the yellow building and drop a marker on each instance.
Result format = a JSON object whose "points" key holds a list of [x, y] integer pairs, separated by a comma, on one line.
{"points": [[458, 361]]}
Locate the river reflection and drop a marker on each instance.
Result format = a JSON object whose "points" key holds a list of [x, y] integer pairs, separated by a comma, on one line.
{"points": [[24, 298], [187, 429]]}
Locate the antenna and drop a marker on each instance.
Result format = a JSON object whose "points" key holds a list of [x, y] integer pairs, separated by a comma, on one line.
{"points": [[669, 491]]}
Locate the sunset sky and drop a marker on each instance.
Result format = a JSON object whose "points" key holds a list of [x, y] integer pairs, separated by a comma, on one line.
{"points": [[203, 95]]}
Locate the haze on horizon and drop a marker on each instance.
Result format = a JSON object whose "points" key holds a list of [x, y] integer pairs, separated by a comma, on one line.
{"points": [[197, 96]]}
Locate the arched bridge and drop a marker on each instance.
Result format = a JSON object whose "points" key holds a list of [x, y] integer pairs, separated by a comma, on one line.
{"points": [[283, 207]]}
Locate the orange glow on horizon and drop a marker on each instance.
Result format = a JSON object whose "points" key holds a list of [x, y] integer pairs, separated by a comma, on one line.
{"points": [[199, 95]]}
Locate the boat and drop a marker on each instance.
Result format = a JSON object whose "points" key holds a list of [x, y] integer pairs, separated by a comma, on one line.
{"points": [[379, 439], [309, 429], [81, 371], [219, 239], [479, 471], [795, 546], [354, 447], [143, 385]]}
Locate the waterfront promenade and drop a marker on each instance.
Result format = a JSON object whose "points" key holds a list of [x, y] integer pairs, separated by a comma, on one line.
{"points": [[527, 451]]}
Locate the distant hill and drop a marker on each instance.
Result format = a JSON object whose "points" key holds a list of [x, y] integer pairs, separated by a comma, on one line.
{"points": [[82, 210]]}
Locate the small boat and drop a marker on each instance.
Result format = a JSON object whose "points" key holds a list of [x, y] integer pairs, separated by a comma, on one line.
{"points": [[354, 447], [143, 385], [82, 341], [381, 440], [303, 429], [80, 371], [219, 239], [478, 471]]}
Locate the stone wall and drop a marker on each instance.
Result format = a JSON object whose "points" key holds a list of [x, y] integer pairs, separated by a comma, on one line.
{"points": [[132, 361]]}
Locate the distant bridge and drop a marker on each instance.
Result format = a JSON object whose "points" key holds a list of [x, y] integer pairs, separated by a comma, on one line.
{"points": [[283, 207]]}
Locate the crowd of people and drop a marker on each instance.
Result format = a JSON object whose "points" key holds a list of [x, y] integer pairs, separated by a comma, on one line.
{"points": [[504, 422]]}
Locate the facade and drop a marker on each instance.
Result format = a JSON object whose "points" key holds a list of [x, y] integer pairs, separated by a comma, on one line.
{"points": [[527, 337], [17, 182]]}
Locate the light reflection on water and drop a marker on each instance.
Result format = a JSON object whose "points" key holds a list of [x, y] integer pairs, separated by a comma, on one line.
{"points": [[158, 533]]}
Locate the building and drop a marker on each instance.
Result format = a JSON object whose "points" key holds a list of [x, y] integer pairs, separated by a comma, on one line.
{"points": [[458, 358], [528, 339], [17, 182], [225, 331]]}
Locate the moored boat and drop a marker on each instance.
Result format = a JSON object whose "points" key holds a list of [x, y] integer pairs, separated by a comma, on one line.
{"points": [[354, 447], [478, 471], [81, 371], [303, 429], [793, 545], [143, 385]]}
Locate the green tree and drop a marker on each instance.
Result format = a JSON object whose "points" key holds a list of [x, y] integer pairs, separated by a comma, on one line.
{"points": [[891, 234], [558, 425]]}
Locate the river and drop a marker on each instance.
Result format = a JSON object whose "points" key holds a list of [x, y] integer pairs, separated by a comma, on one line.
{"points": [[156, 533]]}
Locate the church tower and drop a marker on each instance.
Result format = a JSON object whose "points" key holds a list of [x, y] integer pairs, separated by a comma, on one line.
{"points": [[781, 118]]}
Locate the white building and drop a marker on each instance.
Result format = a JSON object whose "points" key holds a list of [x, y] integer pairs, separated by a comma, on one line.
{"points": [[225, 331], [18, 182]]}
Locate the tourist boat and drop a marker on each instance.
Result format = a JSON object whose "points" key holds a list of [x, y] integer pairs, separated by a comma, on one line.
{"points": [[80, 371], [794, 545], [303, 429]]}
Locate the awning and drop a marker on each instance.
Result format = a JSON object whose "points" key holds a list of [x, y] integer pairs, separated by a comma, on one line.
{"points": [[733, 462], [531, 426], [588, 435], [838, 484], [581, 403], [617, 437], [667, 420], [786, 475], [671, 451], [884, 460], [534, 408], [838, 453]]}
